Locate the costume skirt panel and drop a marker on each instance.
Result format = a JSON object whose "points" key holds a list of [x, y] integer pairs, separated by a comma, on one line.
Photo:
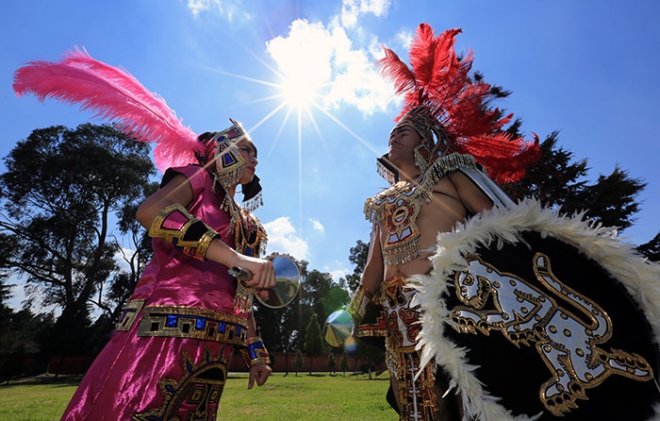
{"points": [[415, 382], [152, 378]]}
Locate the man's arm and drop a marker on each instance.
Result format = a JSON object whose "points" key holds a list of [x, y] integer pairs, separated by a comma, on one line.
{"points": [[371, 278], [474, 199], [374, 270]]}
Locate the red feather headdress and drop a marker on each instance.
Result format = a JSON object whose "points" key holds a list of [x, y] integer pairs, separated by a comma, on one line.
{"points": [[442, 99]]}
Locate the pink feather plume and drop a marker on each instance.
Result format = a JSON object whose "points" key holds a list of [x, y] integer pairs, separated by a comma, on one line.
{"points": [[114, 94]]}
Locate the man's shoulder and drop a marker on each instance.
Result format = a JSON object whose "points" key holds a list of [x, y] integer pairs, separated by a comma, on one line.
{"points": [[448, 164]]}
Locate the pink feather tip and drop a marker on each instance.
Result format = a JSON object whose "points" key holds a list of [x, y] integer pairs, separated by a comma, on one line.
{"points": [[111, 93]]}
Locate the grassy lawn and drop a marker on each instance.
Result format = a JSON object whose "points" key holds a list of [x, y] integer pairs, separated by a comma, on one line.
{"points": [[320, 397]]}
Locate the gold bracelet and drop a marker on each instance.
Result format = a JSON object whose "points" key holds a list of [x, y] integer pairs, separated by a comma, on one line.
{"points": [[255, 353]]}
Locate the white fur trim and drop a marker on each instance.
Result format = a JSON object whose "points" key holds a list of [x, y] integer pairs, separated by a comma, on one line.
{"points": [[641, 278]]}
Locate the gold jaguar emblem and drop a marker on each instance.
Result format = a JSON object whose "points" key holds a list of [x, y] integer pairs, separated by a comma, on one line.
{"points": [[570, 346]]}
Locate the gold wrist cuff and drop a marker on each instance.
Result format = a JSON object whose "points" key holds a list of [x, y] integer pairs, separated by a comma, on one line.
{"points": [[255, 353]]}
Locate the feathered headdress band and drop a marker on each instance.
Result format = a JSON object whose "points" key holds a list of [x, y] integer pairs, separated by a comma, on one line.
{"points": [[441, 100]]}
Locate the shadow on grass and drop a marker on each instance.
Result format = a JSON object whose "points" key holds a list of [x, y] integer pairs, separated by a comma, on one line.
{"points": [[60, 381]]}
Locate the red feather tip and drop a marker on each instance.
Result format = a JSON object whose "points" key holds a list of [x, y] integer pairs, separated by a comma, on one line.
{"points": [[439, 80]]}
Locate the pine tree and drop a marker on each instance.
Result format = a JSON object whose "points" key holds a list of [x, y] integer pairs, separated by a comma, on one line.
{"points": [[557, 182], [554, 180], [313, 340], [651, 249], [332, 363], [611, 201], [343, 364], [298, 361]]}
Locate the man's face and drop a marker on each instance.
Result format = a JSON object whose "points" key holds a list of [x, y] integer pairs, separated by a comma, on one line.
{"points": [[402, 141]]}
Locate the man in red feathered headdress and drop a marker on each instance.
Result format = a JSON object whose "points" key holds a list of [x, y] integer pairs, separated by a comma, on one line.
{"points": [[478, 323], [436, 183]]}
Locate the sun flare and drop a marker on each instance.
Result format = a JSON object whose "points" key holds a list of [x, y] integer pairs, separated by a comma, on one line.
{"points": [[299, 91], [303, 79]]}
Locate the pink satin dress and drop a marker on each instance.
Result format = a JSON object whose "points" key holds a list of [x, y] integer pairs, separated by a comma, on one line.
{"points": [[168, 358]]}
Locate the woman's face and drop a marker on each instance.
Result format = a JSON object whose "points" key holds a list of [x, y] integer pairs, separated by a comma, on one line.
{"points": [[249, 153]]}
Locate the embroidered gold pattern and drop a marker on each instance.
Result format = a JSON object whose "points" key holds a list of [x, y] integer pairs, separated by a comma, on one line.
{"points": [[397, 208], [527, 315], [194, 396], [358, 305], [190, 322], [129, 314], [416, 384], [250, 239]]}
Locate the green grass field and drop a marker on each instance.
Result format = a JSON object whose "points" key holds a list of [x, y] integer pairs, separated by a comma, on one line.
{"points": [[320, 397]]}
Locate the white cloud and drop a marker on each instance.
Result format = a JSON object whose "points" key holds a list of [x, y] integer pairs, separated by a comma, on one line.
{"points": [[406, 38], [339, 273], [337, 270], [352, 9], [317, 225], [344, 72], [282, 238], [120, 259], [230, 10]]}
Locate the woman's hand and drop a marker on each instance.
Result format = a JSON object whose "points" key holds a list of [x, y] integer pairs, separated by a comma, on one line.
{"points": [[259, 373], [263, 273]]}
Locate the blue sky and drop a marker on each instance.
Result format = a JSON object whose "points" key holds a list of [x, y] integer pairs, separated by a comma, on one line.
{"points": [[586, 69]]}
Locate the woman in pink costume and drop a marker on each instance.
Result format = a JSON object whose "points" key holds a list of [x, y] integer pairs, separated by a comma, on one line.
{"points": [[169, 355]]}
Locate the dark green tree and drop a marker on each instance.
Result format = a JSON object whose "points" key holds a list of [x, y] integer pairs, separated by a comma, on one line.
{"points": [[611, 200], [313, 340], [336, 298], [358, 256], [372, 352], [557, 181], [24, 333], [316, 288], [122, 283], [651, 249], [298, 361], [313, 293], [343, 364], [332, 362], [60, 194], [14, 364], [5, 287]]}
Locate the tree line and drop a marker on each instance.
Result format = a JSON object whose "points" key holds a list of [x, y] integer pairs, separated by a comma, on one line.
{"points": [[66, 191]]}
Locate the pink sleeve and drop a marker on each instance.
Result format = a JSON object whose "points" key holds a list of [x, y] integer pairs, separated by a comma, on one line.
{"points": [[195, 174]]}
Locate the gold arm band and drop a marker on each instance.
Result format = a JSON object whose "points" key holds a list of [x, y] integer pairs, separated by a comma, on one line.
{"points": [[358, 305], [185, 232], [255, 353]]}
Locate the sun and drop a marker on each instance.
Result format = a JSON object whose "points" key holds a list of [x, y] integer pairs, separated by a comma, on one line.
{"points": [[300, 90], [302, 82], [303, 78]]}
